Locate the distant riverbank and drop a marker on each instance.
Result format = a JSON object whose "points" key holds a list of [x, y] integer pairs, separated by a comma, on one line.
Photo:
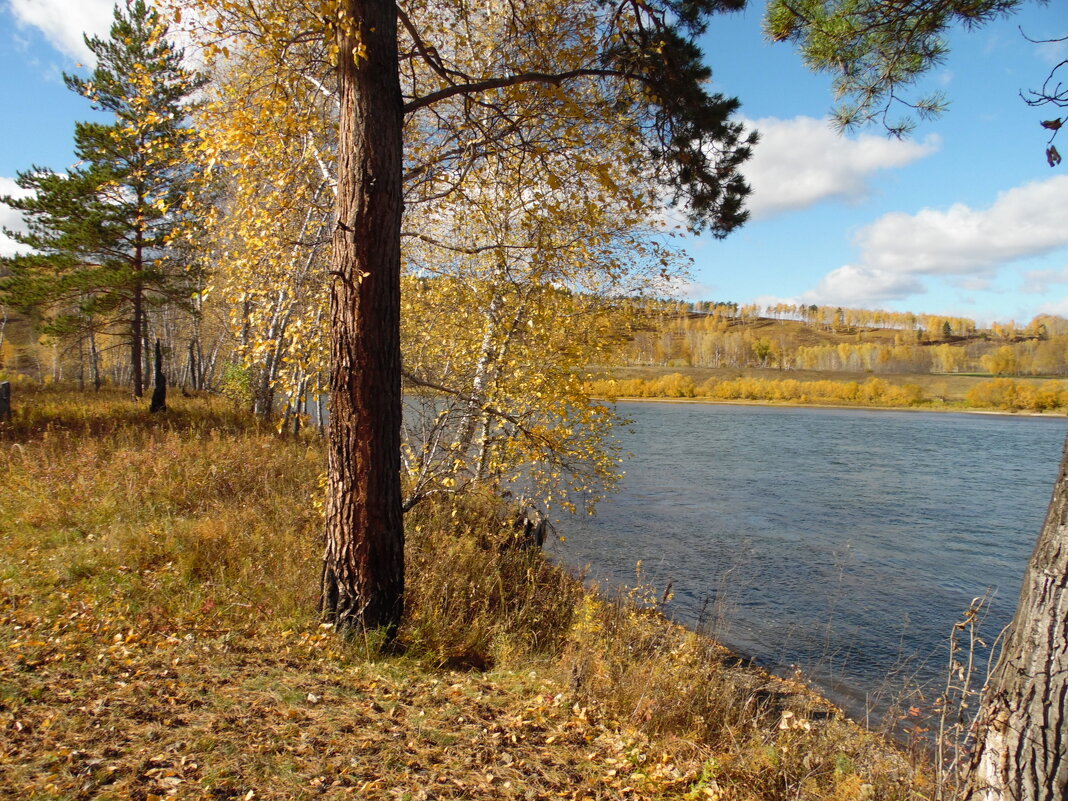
{"points": [[808, 405], [961, 394]]}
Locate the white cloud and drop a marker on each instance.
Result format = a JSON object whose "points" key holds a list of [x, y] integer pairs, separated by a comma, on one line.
{"points": [[969, 244], [1053, 52], [1058, 307], [63, 22], [1026, 221], [690, 290], [802, 161], [9, 187], [858, 286], [1037, 282], [972, 284], [9, 218]]}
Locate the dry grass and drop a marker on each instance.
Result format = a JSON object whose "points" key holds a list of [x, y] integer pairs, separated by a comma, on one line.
{"points": [[158, 640], [495, 603]]}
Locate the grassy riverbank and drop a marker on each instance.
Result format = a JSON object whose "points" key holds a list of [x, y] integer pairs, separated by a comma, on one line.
{"points": [[158, 640], [953, 392]]}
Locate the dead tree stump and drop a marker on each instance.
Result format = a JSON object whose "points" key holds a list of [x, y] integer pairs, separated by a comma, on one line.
{"points": [[5, 401], [159, 392]]}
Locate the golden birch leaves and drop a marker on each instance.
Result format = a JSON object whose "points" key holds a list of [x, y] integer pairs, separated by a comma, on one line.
{"points": [[531, 214]]}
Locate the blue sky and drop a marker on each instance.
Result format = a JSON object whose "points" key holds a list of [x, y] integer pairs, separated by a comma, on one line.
{"points": [[966, 217], [963, 218]]}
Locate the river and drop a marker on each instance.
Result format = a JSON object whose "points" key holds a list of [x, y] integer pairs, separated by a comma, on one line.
{"points": [[845, 542]]}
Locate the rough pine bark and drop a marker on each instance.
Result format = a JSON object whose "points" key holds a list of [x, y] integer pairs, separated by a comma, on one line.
{"points": [[1022, 747], [363, 566]]}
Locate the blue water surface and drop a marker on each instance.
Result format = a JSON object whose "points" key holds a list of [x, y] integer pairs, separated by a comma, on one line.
{"points": [[845, 542]]}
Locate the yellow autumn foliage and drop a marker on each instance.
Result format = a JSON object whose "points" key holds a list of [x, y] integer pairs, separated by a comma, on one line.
{"points": [[873, 392], [527, 229]]}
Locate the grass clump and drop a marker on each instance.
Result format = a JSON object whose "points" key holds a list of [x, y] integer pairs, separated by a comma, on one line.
{"points": [[756, 736], [158, 639], [475, 598]]}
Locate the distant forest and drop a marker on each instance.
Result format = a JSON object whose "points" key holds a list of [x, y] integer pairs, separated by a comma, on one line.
{"points": [[660, 333], [828, 338]]}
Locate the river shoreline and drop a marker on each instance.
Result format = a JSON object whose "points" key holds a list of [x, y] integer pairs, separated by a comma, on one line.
{"points": [[509, 680], [787, 405], [823, 689]]}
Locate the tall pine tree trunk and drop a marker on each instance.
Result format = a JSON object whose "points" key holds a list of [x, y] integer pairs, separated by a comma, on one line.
{"points": [[363, 569], [1022, 746]]}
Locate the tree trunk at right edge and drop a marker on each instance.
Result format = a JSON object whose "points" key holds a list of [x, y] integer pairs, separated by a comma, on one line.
{"points": [[1022, 737], [363, 568]]}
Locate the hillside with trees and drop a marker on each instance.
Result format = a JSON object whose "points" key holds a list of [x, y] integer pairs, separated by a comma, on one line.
{"points": [[792, 337]]}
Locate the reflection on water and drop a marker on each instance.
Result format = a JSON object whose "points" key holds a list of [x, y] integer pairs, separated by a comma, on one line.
{"points": [[846, 542]]}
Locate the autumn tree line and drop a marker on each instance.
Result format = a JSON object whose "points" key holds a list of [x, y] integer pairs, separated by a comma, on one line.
{"points": [[997, 394], [824, 338]]}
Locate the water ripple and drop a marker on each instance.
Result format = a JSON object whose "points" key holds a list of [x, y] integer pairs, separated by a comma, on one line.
{"points": [[845, 541]]}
